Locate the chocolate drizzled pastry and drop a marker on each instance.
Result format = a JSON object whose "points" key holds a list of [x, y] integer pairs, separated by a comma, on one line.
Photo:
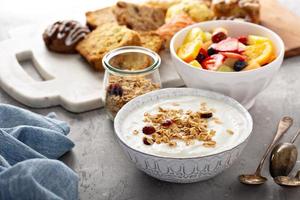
{"points": [[63, 36]]}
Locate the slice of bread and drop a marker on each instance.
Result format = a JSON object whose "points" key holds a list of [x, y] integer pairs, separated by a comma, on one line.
{"points": [[139, 17], [151, 40], [99, 17], [245, 9], [104, 39]]}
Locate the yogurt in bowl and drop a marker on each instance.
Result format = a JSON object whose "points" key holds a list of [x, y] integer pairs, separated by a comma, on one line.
{"points": [[226, 122], [191, 155]]}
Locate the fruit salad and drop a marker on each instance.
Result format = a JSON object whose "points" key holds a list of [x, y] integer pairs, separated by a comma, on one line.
{"points": [[217, 51]]}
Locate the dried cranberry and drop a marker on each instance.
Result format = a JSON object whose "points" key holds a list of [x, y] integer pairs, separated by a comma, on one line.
{"points": [[243, 39], [206, 115], [218, 37], [148, 130], [115, 89], [147, 141], [167, 122]]}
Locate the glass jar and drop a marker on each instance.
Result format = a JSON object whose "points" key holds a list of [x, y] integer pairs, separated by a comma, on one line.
{"points": [[130, 71]]}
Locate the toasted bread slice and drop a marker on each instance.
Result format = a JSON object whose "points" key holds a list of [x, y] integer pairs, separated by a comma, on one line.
{"points": [[139, 17], [151, 40], [104, 39], [99, 17], [246, 9]]}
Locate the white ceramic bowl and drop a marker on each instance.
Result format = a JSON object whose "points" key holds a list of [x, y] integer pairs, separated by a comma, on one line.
{"points": [[243, 86], [187, 169]]}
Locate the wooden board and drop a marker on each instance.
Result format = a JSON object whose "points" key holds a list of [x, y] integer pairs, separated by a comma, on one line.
{"points": [[280, 19]]}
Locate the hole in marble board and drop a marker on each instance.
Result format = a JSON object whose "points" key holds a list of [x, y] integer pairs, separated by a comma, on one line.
{"points": [[29, 64]]}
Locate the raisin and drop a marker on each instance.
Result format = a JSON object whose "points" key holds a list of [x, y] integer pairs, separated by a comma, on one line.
{"points": [[218, 37], [148, 130], [115, 89], [206, 115], [147, 141], [167, 123]]}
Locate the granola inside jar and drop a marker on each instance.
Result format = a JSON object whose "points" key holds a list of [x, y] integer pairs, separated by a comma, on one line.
{"points": [[129, 72]]}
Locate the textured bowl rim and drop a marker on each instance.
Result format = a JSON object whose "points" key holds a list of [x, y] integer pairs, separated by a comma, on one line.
{"points": [[234, 103], [278, 38]]}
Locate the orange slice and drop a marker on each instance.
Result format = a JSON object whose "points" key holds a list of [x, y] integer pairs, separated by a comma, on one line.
{"points": [[261, 53], [254, 39], [189, 51]]}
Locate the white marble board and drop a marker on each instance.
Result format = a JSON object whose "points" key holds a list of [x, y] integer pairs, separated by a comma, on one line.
{"points": [[67, 79]]}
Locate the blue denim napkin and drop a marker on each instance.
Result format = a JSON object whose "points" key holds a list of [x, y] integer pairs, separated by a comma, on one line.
{"points": [[28, 144]]}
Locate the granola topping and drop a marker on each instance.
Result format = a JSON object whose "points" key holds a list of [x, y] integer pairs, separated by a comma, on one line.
{"points": [[229, 131], [147, 140], [122, 89], [171, 125], [183, 126]]}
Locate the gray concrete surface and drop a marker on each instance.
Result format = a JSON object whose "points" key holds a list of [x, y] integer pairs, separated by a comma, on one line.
{"points": [[105, 173]]}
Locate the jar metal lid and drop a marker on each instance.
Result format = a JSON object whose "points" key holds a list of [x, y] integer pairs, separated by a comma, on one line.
{"points": [[131, 49]]}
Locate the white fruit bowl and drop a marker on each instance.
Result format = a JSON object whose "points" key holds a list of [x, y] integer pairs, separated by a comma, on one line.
{"points": [[182, 169], [243, 86]]}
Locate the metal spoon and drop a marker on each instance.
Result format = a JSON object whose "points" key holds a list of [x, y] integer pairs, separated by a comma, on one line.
{"points": [[288, 181], [256, 178], [283, 158]]}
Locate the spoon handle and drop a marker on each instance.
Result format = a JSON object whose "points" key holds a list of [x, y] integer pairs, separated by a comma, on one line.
{"points": [[284, 124], [295, 137]]}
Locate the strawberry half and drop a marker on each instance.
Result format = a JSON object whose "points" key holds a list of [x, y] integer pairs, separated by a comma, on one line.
{"points": [[234, 55], [229, 44], [241, 47], [207, 63], [213, 62], [203, 51]]}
